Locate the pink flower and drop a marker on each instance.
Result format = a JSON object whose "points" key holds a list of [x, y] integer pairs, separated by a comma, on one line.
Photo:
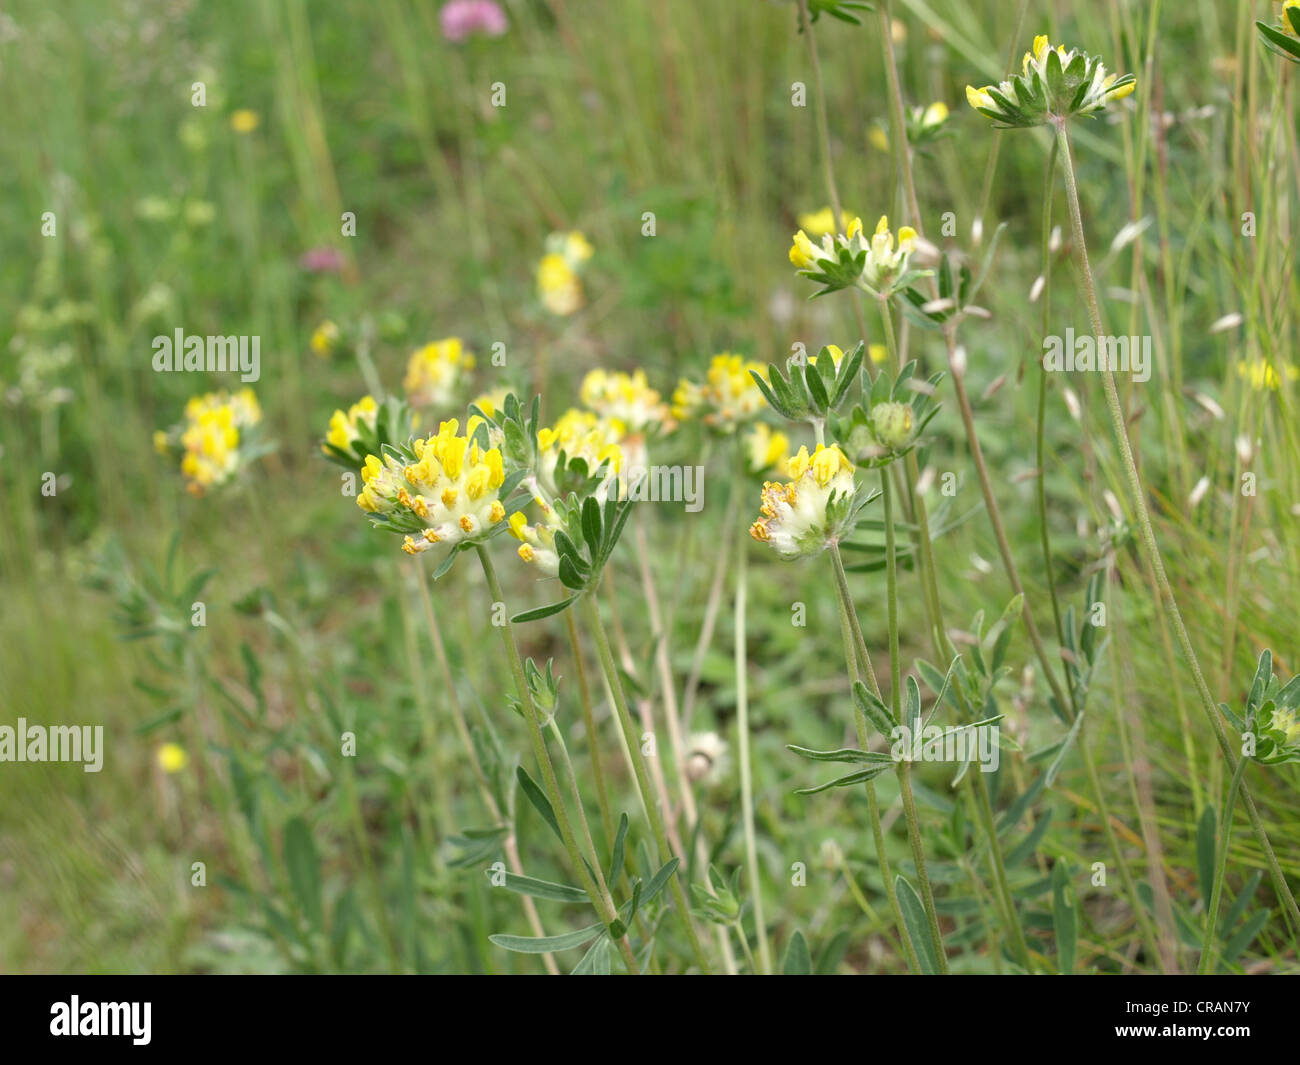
{"points": [[321, 260], [461, 18]]}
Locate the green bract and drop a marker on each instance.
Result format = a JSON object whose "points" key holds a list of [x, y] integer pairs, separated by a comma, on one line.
{"points": [[1053, 85]]}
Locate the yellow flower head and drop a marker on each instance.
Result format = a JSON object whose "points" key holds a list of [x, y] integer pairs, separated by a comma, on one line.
{"points": [[767, 450], [447, 495], [558, 284], [433, 372], [726, 397], [819, 223], [626, 398], [172, 758], [244, 120], [814, 508], [1264, 375], [210, 437], [344, 427], [324, 338], [1053, 84], [585, 435]]}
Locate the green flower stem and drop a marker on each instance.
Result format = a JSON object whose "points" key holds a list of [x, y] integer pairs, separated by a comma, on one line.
{"points": [[924, 544], [853, 655], [746, 766], [904, 767], [604, 905], [589, 723], [511, 845], [668, 686], [591, 614], [1138, 497], [824, 136], [1210, 949], [1149, 934], [1045, 298]]}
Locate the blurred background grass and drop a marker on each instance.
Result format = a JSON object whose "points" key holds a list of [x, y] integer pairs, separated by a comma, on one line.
{"points": [[167, 217]]}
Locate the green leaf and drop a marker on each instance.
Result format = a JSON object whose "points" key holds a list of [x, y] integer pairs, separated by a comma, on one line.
{"points": [[543, 889], [860, 777], [797, 962], [539, 800], [1206, 848], [596, 961], [830, 956], [537, 613], [303, 866], [918, 928], [620, 843], [844, 754], [1065, 919], [547, 944], [660, 880], [875, 711]]}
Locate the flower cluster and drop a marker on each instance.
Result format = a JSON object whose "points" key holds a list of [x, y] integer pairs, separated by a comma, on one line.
{"points": [[442, 490], [727, 397], [813, 509], [558, 281], [214, 437], [624, 397], [434, 371], [1053, 85], [766, 450], [878, 265], [922, 127], [347, 428]]}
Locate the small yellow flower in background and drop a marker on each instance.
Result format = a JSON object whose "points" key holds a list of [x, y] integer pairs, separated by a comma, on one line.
{"points": [[344, 427], [448, 495], [1053, 84], [878, 353], [726, 397], [934, 115], [1264, 375], [433, 372], [922, 125], [836, 352], [579, 434], [766, 450], [586, 435], [625, 397], [819, 223], [172, 758], [324, 338], [244, 120], [211, 437], [802, 517], [160, 442], [492, 400], [558, 283]]}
